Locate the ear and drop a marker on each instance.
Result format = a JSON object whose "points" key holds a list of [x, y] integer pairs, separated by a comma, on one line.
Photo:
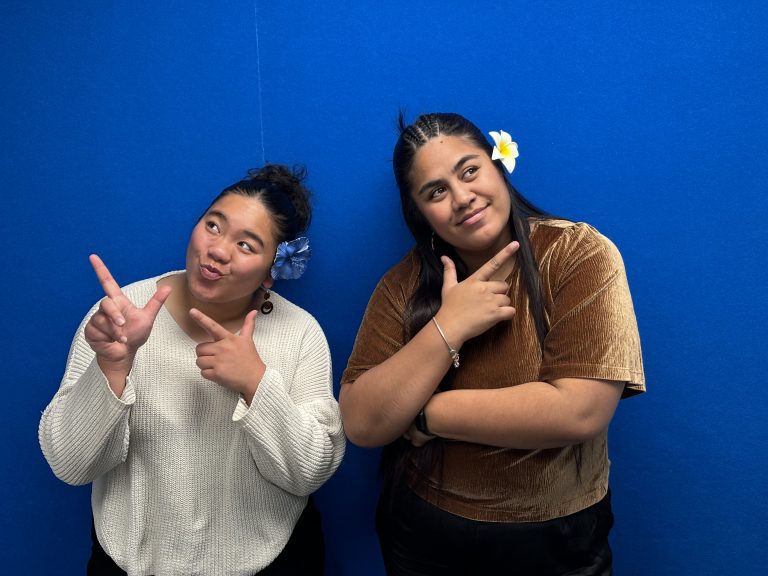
{"points": [[268, 282]]}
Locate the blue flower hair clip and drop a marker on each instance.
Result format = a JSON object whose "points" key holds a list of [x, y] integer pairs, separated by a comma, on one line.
{"points": [[291, 259]]}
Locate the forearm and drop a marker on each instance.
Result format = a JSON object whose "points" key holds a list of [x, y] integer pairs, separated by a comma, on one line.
{"points": [[84, 430], [116, 373], [534, 415], [380, 405], [295, 446]]}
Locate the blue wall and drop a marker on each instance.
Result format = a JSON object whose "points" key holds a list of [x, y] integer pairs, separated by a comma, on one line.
{"points": [[119, 121]]}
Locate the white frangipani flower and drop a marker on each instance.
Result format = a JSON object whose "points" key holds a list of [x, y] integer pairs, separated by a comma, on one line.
{"points": [[504, 150]]}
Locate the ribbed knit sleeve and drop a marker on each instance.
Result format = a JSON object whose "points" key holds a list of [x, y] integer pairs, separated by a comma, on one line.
{"points": [[84, 431], [293, 424], [207, 485]]}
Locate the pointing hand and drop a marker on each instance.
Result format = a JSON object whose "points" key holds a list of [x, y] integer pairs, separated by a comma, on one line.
{"points": [[230, 360], [474, 305], [118, 328]]}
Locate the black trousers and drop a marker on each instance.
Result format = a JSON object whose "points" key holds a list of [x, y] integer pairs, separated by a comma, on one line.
{"points": [[419, 539], [304, 554]]}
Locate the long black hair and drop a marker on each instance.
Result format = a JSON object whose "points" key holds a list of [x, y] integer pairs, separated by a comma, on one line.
{"points": [[426, 299]]}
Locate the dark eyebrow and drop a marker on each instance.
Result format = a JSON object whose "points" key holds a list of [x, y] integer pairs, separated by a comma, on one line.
{"points": [[252, 235], [456, 168]]}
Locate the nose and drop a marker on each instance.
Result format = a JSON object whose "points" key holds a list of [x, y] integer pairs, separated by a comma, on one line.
{"points": [[217, 250], [462, 197]]}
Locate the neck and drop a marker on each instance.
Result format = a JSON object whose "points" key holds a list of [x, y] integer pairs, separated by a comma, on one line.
{"points": [[224, 313], [475, 260], [228, 314]]}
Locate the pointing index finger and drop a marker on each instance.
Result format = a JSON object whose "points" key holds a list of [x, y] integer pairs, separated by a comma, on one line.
{"points": [[108, 284], [213, 328], [487, 270]]}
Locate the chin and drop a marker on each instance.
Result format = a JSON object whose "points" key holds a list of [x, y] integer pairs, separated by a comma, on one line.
{"points": [[477, 243], [200, 293]]}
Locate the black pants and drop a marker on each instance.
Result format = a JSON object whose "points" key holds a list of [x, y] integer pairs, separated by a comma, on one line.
{"points": [[303, 554], [419, 539]]}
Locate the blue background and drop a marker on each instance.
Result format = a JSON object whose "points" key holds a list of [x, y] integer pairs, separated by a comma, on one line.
{"points": [[119, 121]]}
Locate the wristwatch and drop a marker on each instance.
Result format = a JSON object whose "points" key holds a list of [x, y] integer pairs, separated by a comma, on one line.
{"points": [[421, 423]]}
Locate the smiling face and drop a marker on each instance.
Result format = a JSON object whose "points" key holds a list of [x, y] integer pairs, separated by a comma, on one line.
{"points": [[461, 194], [230, 252]]}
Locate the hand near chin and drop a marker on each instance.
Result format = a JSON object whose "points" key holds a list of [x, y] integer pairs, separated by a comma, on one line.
{"points": [[118, 328], [230, 360], [474, 305]]}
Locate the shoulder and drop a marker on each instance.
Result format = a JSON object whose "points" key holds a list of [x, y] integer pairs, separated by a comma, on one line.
{"points": [[562, 240], [546, 232], [141, 291], [289, 316], [290, 329], [405, 271], [138, 292], [397, 285], [403, 276]]}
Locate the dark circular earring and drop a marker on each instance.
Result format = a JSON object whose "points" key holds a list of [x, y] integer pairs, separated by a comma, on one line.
{"points": [[266, 306]]}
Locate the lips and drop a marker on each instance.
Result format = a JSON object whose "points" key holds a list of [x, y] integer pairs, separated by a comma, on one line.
{"points": [[210, 272], [473, 217]]}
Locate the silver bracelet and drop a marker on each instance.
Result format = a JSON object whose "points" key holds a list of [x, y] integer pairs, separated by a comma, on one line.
{"points": [[451, 351]]}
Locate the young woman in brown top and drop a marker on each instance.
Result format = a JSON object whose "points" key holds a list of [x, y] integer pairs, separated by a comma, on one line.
{"points": [[489, 364]]}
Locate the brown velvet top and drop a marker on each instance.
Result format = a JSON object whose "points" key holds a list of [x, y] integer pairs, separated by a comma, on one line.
{"points": [[592, 334]]}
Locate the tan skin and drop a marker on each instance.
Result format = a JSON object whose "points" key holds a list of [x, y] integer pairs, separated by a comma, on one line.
{"points": [[461, 194], [214, 301]]}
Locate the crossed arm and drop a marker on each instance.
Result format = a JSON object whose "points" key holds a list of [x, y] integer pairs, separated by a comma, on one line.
{"points": [[381, 404]]}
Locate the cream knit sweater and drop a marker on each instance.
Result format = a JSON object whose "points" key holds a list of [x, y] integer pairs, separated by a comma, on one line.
{"points": [[187, 479]]}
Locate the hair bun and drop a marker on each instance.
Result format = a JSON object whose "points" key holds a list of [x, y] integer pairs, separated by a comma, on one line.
{"points": [[291, 182]]}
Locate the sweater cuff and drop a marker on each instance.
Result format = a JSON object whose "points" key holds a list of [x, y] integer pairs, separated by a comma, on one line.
{"points": [[242, 409], [95, 380]]}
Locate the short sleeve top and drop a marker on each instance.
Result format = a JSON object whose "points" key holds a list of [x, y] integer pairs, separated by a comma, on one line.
{"points": [[592, 333]]}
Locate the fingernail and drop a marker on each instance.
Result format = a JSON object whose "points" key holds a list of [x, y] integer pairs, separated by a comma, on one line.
{"points": [[124, 339], [120, 321]]}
